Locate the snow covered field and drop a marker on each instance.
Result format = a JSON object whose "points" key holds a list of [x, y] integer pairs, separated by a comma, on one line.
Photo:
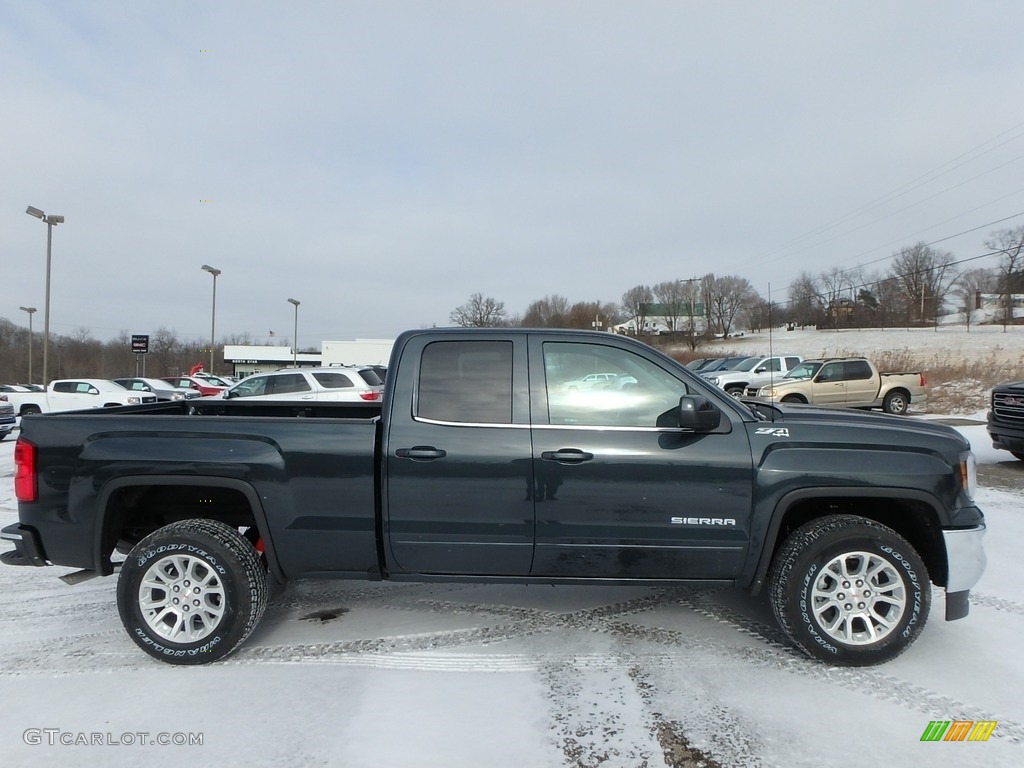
{"points": [[361, 674], [948, 342]]}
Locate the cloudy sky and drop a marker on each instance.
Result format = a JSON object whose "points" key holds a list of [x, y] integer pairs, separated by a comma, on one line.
{"points": [[381, 161]]}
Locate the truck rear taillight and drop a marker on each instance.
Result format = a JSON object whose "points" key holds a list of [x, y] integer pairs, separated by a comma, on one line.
{"points": [[371, 396], [923, 382], [25, 488]]}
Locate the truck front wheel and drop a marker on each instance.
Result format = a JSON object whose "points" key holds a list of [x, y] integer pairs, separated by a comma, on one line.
{"points": [[849, 591], [191, 592], [895, 402]]}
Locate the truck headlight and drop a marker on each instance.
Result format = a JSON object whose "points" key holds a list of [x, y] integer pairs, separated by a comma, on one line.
{"points": [[968, 474], [134, 400], [766, 392], [713, 380], [177, 396]]}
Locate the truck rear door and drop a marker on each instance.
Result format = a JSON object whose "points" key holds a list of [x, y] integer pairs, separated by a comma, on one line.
{"points": [[619, 491], [458, 475], [862, 383]]}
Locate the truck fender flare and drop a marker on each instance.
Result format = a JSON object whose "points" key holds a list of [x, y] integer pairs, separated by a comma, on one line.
{"points": [[129, 481], [771, 533]]}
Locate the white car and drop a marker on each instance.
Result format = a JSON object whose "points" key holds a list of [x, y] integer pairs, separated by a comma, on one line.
{"points": [[76, 395], [338, 384], [590, 381]]}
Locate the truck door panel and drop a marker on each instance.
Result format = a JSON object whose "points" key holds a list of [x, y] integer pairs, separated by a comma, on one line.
{"points": [[458, 470], [620, 493]]}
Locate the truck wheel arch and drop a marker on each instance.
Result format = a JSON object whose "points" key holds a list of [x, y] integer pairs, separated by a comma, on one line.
{"points": [[914, 515], [101, 541]]}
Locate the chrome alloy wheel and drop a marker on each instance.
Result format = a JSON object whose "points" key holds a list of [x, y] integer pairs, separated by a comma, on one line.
{"points": [[858, 598], [181, 598]]}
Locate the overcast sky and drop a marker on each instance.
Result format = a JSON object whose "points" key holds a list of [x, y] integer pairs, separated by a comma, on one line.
{"points": [[381, 161]]}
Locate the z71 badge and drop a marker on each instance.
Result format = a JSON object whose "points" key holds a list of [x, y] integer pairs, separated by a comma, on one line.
{"points": [[774, 431]]}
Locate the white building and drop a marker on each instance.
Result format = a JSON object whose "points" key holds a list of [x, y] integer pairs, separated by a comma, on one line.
{"points": [[249, 359]]}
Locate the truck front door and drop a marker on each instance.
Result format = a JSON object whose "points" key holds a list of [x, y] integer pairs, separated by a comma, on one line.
{"points": [[457, 468], [829, 386], [620, 490]]}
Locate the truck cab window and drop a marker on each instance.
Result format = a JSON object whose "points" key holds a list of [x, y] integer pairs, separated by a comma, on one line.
{"points": [[466, 381], [596, 385]]}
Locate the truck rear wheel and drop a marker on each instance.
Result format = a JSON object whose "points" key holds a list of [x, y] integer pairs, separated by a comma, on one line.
{"points": [[191, 592], [895, 402], [849, 591]]}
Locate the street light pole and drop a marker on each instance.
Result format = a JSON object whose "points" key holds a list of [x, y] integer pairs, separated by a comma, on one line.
{"points": [[213, 312], [50, 221], [31, 311], [295, 334]]}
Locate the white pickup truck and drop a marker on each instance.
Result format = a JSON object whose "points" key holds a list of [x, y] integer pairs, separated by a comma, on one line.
{"points": [[76, 395], [753, 372], [852, 382]]}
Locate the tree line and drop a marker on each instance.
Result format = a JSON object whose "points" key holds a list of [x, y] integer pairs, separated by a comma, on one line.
{"points": [[921, 284], [80, 355]]}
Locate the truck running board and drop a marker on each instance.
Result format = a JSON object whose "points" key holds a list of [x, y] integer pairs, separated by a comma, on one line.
{"points": [[77, 577]]}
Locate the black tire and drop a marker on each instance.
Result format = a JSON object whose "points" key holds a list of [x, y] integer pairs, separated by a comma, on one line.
{"points": [[218, 612], [794, 399], [896, 402], [30, 410], [893, 604], [736, 392]]}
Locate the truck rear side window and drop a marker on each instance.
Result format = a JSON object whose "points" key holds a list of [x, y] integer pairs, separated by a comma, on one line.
{"points": [[466, 381]]}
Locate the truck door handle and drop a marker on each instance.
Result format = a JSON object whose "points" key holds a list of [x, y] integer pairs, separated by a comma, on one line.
{"points": [[421, 453], [567, 456]]}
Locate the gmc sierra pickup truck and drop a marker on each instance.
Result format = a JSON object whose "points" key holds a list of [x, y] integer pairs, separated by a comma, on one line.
{"points": [[1006, 419], [481, 465]]}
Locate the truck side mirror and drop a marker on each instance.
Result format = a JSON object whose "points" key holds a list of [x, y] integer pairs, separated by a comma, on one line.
{"points": [[698, 413], [93, 391]]}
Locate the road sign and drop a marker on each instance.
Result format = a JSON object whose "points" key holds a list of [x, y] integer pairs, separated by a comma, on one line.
{"points": [[140, 343]]}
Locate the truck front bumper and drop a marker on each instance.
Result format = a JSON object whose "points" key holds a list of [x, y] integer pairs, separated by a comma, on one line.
{"points": [[1008, 437], [965, 559], [27, 549]]}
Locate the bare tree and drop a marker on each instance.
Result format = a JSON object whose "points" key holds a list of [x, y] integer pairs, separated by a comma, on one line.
{"points": [[479, 312], [805, 303], [925, 277], [726, 297], [583, 314], [694, 323], [634, 304], [1009, 244], [671, 294], [549, 312]]}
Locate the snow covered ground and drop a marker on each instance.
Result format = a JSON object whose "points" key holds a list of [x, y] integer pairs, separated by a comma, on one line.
{"points": [[360, 674], [947, 342]]}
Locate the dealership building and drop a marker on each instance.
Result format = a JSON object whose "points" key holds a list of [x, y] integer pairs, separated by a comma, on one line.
{"points": [[249, 359]]}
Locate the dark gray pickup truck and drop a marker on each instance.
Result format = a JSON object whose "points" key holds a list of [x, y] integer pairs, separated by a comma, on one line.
{"points": [[496, 456]]}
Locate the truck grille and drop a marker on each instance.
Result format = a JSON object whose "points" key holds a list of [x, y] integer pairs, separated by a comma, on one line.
{"points": [[1009, 406], [6, 409], [752, 391]]}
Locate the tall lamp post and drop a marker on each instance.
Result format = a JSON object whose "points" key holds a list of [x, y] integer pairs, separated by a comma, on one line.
{"points": [[31, 311], [295, 334], [213, 312], [50, 221]]}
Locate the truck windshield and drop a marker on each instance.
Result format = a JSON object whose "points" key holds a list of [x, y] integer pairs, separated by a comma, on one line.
{"points": [[803, 371]]}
